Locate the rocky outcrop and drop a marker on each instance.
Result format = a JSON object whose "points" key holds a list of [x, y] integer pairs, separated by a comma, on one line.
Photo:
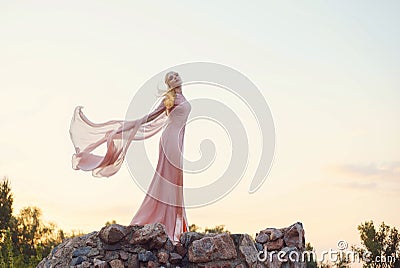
{"points": [[117, 246], [282, 247]]}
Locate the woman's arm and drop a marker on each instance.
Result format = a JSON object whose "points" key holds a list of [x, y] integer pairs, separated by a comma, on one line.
{"points": [[147, 118], [153, 115]]}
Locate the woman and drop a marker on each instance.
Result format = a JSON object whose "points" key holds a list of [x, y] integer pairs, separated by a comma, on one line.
{"points": [[164, 200]]}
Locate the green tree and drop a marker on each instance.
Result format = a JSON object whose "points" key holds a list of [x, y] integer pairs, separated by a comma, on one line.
{"points": [[28, 230], [24, 239], [312, 263], [381, 243], [194, 228], [110, 222], [7, 250], [2, 261], [6, 203], [325, 264], [34, 235], [343, 261], [74, 233], [217, 229]]}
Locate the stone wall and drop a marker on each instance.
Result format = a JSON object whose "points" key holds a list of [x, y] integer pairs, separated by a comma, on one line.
{"points": [[117, 246]]}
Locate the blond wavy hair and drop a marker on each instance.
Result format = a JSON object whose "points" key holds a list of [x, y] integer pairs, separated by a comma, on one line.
{"points": [[170, 94]]}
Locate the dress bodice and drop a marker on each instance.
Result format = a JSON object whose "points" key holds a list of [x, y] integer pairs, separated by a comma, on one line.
{"points": [[180, 111]]}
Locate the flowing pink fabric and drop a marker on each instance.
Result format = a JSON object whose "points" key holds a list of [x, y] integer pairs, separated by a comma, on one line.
{"points": [[164, 199]]}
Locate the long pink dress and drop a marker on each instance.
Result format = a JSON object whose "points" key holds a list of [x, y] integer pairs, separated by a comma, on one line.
{"points": [[163, 202]]}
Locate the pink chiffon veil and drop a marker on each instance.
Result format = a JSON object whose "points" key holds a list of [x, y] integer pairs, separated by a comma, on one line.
{"points": [[117, 135]]}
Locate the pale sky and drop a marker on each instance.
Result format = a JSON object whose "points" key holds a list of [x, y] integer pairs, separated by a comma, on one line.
{"points": [[328, 70]]}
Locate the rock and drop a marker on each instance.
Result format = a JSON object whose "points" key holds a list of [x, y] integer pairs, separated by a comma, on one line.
{"points": [[81, 252], [273, 261], [151, 235], [112, 234], [218, 247], [248, 250], [175, 258], [85, 264], [294, 237], [133, 261], [272, 233], [111, 255], [116, 246], [151, 264], [180, 249], [163, 256], [100, 264], [112, 247], [147, 256], [168, 246], [236, 239], [93, 252], [123, 255], [77, 260], [262, 238], [187, 238], [274, 245], [116, 264], [259, 246]]}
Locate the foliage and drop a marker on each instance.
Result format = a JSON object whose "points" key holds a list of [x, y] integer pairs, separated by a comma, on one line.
{"points": [[380, 244], [194, 228], [313, 262], [6, 201], [216, 230], [110, 222], [24, 239]]}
